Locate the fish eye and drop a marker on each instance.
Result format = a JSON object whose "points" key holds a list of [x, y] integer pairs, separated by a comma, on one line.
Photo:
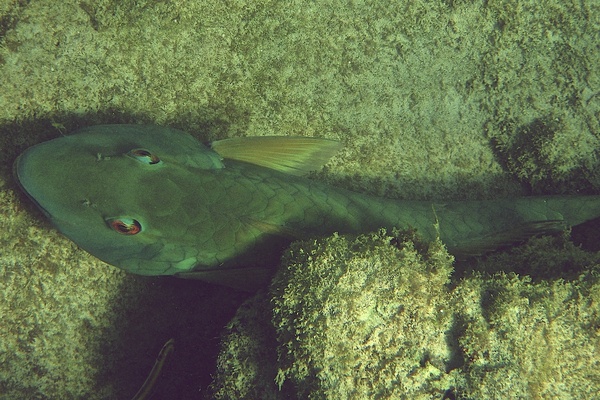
{"points": [[125, 226], [144, 156]]}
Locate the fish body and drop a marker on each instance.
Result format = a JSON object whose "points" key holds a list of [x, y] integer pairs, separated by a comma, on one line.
{"points": [[155, 201]]}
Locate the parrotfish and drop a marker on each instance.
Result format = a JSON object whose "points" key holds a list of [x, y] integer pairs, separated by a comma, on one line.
{"points": [[156, 201]]}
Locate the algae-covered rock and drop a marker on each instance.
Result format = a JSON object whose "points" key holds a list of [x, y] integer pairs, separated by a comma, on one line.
{"points": [[534, 335], [379, 317], [363, 318], [525, 340], [545, 110]]}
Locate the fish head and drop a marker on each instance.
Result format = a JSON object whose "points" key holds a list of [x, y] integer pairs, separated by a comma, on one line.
{"points": [[117, 191]]}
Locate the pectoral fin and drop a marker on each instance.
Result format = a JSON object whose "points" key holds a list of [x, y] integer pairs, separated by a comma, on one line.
{"points": [[289, 154]]}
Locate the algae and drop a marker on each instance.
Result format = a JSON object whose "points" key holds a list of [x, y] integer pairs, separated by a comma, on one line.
{"points": [[415, 91], [369, 320], [373, 317]]}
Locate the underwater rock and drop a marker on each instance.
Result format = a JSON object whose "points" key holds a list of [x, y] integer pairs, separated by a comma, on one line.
{"points": [[378, 316]]}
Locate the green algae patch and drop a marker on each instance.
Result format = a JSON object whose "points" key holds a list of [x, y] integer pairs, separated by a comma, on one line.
{"points": [[377, 316], [525, 340], [347, 324], [542, 91], [392, 301]]}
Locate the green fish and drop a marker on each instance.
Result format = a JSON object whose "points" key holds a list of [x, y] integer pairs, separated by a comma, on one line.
{"points": [[155, 201]]}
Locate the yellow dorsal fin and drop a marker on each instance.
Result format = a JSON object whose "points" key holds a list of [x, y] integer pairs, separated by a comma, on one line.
{"points": [[290, 154]]}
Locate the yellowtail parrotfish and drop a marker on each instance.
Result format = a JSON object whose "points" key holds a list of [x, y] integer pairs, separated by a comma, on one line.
{"points": [[156, 201]]}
